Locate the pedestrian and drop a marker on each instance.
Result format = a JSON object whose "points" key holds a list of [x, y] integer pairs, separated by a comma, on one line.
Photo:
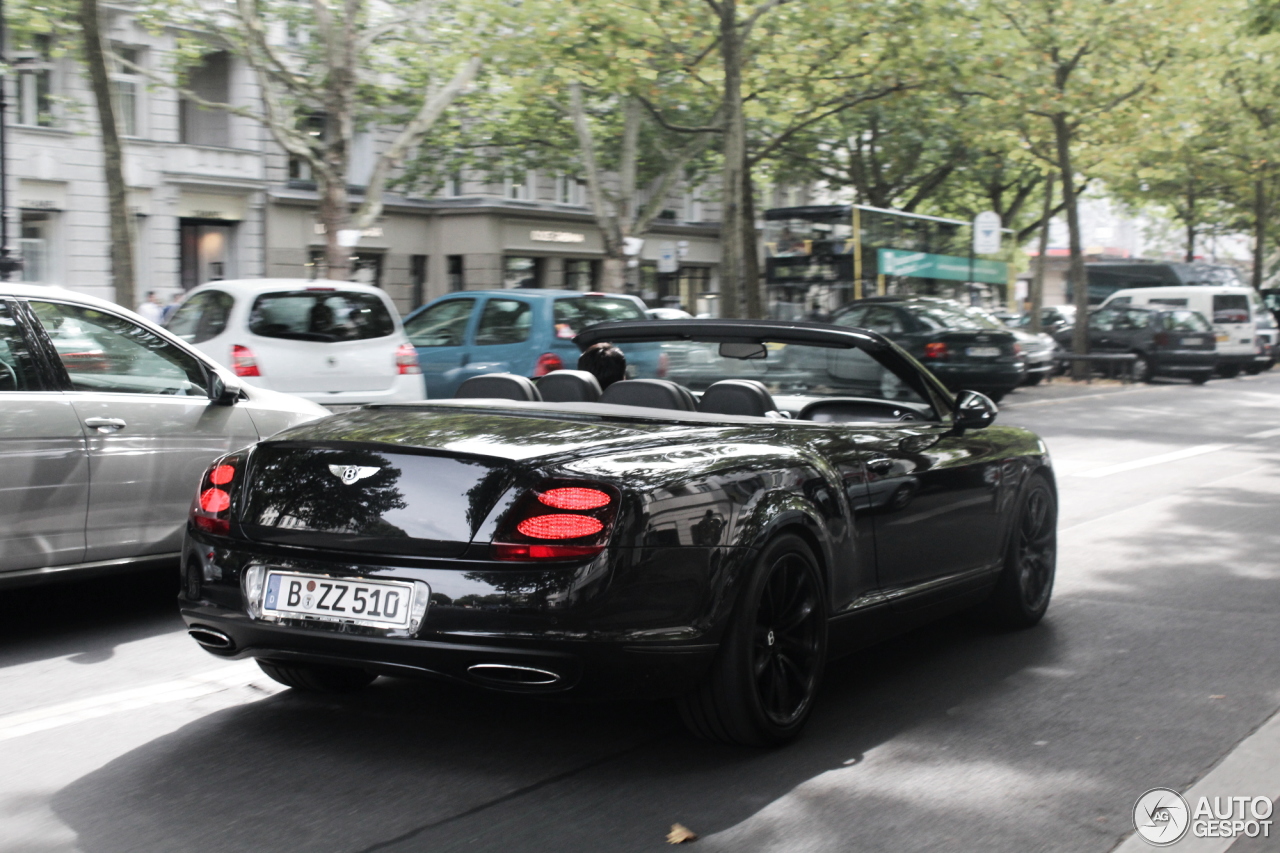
{"points": [[605, 362], [151, 309], [168, 310]]}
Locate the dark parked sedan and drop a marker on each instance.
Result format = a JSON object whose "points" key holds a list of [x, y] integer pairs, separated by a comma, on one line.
{"points": [[1166, 341], [717, 544], [963, 348]]}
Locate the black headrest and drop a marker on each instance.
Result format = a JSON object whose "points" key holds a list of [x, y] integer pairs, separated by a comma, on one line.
{"points": [[654, 393], [569, 386], [737, 397], [498, 386]]}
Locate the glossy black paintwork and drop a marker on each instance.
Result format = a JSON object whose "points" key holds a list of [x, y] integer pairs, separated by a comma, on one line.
{"points": [[904, 518]]}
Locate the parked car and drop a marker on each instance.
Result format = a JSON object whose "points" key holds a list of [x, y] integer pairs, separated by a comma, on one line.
{"points": [[1039, 351], [1166, 341], [963, 349], [1053, 319], [631, 543], [668, 314], [525, 331], [1234, 312], [332, 342], [93, 395]]}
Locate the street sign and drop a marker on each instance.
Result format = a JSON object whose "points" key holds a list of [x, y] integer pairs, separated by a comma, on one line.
{"points": [[986, 233], [949, 267], [667, 262]]}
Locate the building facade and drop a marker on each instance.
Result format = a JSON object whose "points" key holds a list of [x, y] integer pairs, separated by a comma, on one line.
{"points": [[213, 197]]}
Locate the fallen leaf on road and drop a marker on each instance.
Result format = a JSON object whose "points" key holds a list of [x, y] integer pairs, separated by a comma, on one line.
{"points": [[680, 835]]}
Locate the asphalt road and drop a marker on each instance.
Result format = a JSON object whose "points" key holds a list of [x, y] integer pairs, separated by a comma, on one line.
{"points": [[118, 735]]}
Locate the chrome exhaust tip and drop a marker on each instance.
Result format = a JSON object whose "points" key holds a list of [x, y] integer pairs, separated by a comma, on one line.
{"points": [[210, 638], [510, 675]]}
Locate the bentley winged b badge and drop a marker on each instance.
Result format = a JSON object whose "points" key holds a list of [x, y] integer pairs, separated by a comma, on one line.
{"points": [[349, 474]]}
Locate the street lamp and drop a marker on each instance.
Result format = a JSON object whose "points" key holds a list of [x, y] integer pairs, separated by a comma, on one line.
{"points": [[8, 263]]}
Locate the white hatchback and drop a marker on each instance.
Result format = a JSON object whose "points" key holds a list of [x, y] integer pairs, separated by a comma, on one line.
{"points": [[332, 342]]}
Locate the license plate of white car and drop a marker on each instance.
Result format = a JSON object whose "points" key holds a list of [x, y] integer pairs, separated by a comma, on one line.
{"points": [[1192, 342], [356, 600], [983, 352]]}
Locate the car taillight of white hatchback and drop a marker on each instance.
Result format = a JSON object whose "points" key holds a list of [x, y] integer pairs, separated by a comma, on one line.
{"points": [[407, 361]]}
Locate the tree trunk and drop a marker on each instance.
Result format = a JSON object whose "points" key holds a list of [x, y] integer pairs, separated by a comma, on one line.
{"points": [[755, 300], [733, 182], [1191, 223], [122, 272], [613, 274], [1042, 260], [1260, 214], [335, 215], [1077, 276]]}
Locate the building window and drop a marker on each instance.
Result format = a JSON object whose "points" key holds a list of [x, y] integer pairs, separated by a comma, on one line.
{"points": [[526, 190], [126, 85], [312, 124], [457, 280], [521, 272], [693, 207], [417, 280], [579, 275], [570, 191], [211, 80], [453, 186], [35, 83], [35, 245]]}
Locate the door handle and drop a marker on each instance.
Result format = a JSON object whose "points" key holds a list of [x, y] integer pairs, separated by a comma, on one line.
{"points": [[881, 465], [105, 425]]}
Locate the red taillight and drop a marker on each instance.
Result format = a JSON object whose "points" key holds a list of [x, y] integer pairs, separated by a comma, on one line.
{"points": [[243, 361], [211, 510], [561, 521], [937, 351], [574, 498], [560, 526], [547, 362], [407, 361]]}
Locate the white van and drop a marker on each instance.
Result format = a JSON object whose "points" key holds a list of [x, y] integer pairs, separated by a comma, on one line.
{"points": [[1234, 312], [331, 342]]}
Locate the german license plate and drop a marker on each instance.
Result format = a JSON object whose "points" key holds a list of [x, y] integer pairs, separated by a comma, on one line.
{"points": [[1192, 342], [363, 602], [983, 352]]}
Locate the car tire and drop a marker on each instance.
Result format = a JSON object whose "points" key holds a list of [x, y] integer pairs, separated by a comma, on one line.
{"points": [[761, 688], [1143, 371], [1253, 369], [1229, 371], [1201, 378], [318, 679], [995, 396], [1033, 380], [1025, 585]]}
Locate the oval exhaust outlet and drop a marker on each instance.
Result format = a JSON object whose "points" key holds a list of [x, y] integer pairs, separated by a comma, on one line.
{"points": [[512, 675], [210, 638]]}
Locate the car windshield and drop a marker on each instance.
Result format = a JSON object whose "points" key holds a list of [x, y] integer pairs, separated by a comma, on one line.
{"points": [[320, 314], [575, 313], [786, 369], [938, 317]]}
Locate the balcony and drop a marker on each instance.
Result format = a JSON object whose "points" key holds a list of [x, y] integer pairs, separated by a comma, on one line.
{"points": [[222, 165]]}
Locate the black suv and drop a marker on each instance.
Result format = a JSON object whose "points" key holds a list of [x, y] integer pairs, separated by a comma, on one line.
{"points": [[963, 349], [1167, 341]]}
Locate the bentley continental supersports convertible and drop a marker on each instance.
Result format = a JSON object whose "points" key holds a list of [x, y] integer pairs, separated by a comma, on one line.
{"points": [[773, 495]]}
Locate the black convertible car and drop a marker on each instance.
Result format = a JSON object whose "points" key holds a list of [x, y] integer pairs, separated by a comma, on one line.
{"points": [[800, 492]]}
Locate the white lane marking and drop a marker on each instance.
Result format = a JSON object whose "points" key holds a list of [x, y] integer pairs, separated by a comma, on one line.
{"points": [[67, 713], [1185, 453], [1252, 769], [1266, 433]]}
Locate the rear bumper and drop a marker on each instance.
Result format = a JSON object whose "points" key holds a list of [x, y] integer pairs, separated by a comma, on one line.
{"points": [[639, 622], [979, 377], [1184, 361], [404, 389]]}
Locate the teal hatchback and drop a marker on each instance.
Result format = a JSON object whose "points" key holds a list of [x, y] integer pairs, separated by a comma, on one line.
{"points": [[526, 332]]}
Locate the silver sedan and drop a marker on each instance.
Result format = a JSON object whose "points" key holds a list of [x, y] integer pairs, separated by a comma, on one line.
{"points": [[106, 424]]}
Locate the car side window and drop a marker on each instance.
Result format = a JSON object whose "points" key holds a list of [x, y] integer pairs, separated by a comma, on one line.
{"points": [[202, 317], [883, 320], [17, 364], [1102, 320], [107, 353], [442, 325], [851, 319], [504, 321]]}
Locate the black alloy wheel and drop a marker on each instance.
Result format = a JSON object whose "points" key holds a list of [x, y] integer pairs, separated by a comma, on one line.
{"points": [[762, 685], [315, 678], [1022, 592]]}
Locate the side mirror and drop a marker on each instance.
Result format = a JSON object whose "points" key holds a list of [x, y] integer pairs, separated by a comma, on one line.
{"points": [[974, 410], [223, 392]]}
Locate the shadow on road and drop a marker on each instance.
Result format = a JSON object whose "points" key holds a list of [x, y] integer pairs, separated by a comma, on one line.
{"points": [[421, 766], [86, 618]]}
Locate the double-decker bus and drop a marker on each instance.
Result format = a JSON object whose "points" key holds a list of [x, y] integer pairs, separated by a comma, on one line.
{"points": [[820, 257]]}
